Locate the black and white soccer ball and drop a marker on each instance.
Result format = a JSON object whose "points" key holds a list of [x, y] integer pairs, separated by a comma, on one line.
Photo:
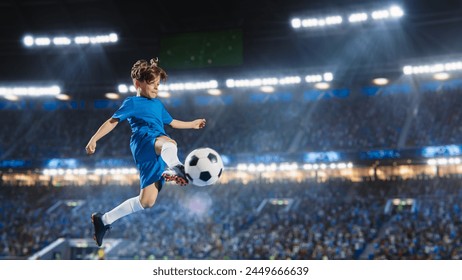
{"points": [[203, 167]]}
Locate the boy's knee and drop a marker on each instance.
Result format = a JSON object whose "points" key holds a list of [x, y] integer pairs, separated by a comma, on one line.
{"points": [[162, 143], [171, 141], [147, 203]]}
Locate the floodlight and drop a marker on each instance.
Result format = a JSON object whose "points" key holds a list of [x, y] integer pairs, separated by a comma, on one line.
{"points": [[396, 11], [28, 41], [30, 91], [432, 68], [82, 40], [113, 96], [63, 97], [42, 41], [380, 81], [328, 77], [296, 23], [11, 97], [380, 14], [358, 17], [313, 78], [441, 76], [163, 94], [392, 12], [267, 89], [290, 80], [61, 41], [322, 85], [123, 88], [214, 91]]}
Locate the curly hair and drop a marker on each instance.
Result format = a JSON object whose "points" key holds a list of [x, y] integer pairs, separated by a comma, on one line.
{"points": [[146, 71]]}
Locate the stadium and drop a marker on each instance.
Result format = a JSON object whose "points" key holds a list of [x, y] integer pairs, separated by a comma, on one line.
{"points": [[338, 123]]}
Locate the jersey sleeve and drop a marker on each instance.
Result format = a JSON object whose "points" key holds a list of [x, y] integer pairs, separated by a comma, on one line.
{"points": [[125, 111], [166, 118]]}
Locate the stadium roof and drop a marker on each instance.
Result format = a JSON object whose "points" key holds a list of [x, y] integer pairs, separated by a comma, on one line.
{"points": [[428, 29]]}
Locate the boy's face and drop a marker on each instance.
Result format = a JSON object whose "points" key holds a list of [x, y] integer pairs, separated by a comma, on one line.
{"points": [[150, 89]]}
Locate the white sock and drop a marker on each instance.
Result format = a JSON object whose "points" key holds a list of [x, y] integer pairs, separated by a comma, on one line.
{"points": [[169, 154], [127, 207]]}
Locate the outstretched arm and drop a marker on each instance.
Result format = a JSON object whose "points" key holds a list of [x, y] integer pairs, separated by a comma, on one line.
{"points": [[195, 124], [104, 129]]}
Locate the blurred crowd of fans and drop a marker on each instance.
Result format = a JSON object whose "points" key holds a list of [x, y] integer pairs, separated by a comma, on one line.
{"points": [[332, 220], [350, 124]]}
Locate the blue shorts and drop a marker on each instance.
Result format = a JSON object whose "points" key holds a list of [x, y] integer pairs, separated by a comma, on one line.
{"points": [[150, 165]]}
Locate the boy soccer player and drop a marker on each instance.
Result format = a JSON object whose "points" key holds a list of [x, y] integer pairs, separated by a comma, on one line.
{"points": [[151, 147]]}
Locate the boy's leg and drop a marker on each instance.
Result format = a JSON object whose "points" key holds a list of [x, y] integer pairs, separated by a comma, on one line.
{"points": [[127, 207], [102, 223], [148, 195], [168, 150]]}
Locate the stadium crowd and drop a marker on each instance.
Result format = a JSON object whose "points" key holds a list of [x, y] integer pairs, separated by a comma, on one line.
{"points": [[337, 219], [333, 124], [332, 220]]}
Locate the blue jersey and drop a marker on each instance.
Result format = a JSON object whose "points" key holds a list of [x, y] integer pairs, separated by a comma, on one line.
{"points": [[144, 114], [147, 118]]}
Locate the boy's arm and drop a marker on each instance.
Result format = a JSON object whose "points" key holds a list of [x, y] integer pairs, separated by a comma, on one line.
{"points": [[195, 124], [104, 129]]}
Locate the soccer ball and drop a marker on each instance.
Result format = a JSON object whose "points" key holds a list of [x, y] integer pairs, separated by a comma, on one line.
{"points": [[203, 166]]}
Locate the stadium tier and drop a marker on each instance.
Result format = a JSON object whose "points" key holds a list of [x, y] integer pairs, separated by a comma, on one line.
{"points": [[338, 219]]}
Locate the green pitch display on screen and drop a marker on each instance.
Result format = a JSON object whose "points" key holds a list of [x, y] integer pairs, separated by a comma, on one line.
{"points": [[202, 49]]}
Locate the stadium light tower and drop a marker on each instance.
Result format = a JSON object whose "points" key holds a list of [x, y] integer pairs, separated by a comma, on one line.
{"points": [[390, 13], [396, 11], [432, 68], [358, 17], [33, 91], [187, 86], [31, 41]]}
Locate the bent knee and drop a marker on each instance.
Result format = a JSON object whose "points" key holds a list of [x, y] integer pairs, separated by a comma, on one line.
{"points": [[147, 203], [160, 141], [171, 141]]}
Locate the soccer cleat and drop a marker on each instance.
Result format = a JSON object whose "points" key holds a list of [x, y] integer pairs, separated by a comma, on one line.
{"points": [[100, 228], [176, 174]]}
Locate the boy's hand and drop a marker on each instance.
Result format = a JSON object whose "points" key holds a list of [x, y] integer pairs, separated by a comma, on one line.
{"points": [[91, 147], [199, 123]]}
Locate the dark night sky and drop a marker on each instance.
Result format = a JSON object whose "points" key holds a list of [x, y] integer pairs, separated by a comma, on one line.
{"points": [[429, 29]]}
